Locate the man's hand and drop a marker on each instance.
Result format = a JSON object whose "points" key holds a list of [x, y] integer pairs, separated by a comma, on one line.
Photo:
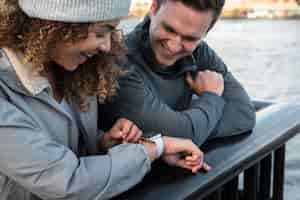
{"points": [[183, 153], [206, 81], [123, 131]]}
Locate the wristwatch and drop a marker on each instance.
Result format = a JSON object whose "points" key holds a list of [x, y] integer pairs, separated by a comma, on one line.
{"points": [[155, 139]]}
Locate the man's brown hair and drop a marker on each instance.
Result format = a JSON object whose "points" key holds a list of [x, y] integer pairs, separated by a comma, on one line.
{"points": [[201, 5]]}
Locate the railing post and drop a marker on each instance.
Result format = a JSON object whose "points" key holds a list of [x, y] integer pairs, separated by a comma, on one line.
{"points": [[279, 164], [265, 177], [230, 190], [216, 195], [251, 182]]}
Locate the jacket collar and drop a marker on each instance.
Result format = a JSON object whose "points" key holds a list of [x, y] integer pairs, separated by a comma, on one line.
{"points": [[30, 80], [23, 79], [138, 42]]}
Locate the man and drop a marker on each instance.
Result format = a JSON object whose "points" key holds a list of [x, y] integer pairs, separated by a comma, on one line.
{"points": [[169, 63]]}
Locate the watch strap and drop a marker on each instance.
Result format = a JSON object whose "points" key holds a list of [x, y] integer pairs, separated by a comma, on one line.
{"points": [[159, 144]]}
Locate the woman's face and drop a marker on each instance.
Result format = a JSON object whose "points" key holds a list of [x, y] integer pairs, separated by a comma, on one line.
{"points": [[70, 55]]}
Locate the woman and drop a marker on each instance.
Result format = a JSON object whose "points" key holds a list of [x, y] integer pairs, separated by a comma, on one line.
{"points": [[57, 60]]}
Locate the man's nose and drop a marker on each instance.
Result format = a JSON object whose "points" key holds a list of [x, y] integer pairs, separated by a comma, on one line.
{"points": [[175, 44]]}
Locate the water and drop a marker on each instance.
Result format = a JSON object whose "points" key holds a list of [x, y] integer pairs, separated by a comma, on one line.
{"points": [[265, 56]]}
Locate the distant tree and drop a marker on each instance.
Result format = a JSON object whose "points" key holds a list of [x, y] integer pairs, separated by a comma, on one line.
{"points": [[298, 2]]}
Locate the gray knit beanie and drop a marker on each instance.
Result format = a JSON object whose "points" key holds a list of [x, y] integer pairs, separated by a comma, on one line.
{"points": [[76, 10]]}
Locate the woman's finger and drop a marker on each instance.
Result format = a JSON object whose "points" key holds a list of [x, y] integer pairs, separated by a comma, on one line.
{"points": [[137, 136], [132, 133], [196, 168], [124, 125], [182, 164], [206, 166]]}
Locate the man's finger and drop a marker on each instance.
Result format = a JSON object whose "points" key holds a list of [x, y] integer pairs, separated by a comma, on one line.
{"points": [[189, 79]]}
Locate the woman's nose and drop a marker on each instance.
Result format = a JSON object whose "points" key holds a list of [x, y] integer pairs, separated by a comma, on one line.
{"points": [[105, 44]]}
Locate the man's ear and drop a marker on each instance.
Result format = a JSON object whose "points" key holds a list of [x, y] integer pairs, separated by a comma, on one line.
{"points": [[153, 7]]}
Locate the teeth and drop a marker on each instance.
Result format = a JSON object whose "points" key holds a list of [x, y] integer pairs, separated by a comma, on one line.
{"points": [[89, 55]]}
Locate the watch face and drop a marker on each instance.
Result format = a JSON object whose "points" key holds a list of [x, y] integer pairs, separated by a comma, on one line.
{"points": [[150, 134]]}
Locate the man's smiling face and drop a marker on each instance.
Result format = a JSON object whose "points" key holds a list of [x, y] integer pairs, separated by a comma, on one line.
{"points": [[176, 30]]}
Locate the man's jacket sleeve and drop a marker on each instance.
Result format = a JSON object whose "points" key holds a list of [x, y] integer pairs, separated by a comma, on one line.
{"points": [[238, 113], [135, 101], [52, 171], [208, 116]]}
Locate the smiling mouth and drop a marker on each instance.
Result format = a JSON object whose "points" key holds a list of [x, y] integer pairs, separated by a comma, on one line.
{"points": [[84, 56], [88, 54]]}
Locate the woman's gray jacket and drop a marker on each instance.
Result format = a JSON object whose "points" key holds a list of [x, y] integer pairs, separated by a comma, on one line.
{"points": [[41, 156]]}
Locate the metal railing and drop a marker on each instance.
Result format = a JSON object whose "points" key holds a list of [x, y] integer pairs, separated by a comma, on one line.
{"points": [[259, 156]]}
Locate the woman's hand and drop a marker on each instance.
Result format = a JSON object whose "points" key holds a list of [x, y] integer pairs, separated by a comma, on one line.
{"points": [[178, 152], [123, 131], [178, 160], [183, 153]]}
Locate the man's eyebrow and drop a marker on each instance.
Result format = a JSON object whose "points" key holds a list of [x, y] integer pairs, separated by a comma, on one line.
{"points": [[171, 29], [168, 27]]}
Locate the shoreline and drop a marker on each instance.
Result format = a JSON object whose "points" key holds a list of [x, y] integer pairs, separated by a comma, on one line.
{"points": [[237, 18], [261, 18]]}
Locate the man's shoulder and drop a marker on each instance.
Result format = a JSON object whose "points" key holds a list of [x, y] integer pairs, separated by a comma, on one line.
{"points": [[206, 57], [131, 68], [131, 40], [203, 49]]}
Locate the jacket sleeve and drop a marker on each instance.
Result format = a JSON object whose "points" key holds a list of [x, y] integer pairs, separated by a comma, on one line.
{"points": [[52, 171], [238, 113], [138, 103]]}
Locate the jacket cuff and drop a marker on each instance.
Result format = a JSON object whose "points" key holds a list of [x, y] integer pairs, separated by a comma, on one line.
{"points": [[130, 163]]}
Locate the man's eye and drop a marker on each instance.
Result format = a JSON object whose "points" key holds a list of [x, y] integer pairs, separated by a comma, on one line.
{"points": [[100, 35], [168, 29], [190, 39]]}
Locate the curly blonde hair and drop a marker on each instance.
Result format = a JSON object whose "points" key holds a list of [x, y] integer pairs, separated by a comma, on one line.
{"points": [[35, 37]]}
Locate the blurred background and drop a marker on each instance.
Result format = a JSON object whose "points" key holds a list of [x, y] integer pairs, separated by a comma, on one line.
{"points": [[251, 9], [259, 40]]}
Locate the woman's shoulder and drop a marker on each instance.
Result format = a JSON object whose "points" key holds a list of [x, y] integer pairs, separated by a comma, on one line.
{"points": [[4, 62], [8, 78], [9, 83]]}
